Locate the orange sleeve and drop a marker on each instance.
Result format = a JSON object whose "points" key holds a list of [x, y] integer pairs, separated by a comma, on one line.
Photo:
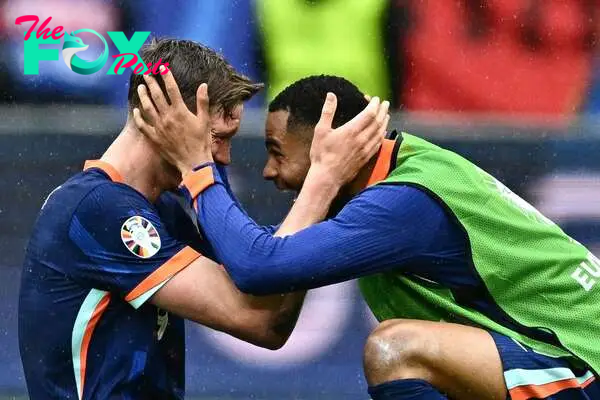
{"points": [[166, 271]]}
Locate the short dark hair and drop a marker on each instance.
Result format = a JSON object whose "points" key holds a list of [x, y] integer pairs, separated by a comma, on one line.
{"points": [[193, 64], [304, 100]]}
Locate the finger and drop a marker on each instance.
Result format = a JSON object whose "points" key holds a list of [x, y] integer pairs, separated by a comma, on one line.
{"points": [[202, 100], [378, 139], [142, 125], [367, 97], [373, 135], [150, 112], [171, 86], [156, 92], [373, 146], [372, 132], [381, 117], [383, 129], [327, 113], [383, 112], [365, 117]]}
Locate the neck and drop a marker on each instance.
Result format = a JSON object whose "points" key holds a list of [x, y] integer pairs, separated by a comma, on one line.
{"points": [[136, 160]]}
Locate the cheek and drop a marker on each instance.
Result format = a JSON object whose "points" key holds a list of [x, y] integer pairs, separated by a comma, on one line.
{"points": [[222, 151], [293, 173], [301, 170]]}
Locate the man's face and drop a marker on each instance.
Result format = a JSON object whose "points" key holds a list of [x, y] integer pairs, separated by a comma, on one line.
{"points": [[288, 153], [223, 128]]}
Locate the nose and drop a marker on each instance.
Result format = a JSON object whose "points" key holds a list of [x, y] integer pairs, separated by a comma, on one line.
{"points": [[269, 172]]}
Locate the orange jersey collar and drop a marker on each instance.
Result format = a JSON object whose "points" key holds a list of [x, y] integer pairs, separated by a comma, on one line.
{"points": [[108, 169], [385, 160]]}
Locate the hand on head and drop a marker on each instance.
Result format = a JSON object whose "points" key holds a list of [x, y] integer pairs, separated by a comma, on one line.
{"points": [[182, 137], [340, 153]]}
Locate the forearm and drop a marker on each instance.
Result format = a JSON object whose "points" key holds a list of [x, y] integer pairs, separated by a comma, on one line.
{"points": [[383, 228], [286, 307], [275, 316], [257, 261], [312, 204], [280, 318], [267, 321]]}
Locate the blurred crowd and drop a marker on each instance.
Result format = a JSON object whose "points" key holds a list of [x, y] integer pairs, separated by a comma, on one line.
{"points": [[461, 56]]}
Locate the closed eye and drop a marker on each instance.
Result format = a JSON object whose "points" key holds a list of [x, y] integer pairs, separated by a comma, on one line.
{"points": [[275, 153]]}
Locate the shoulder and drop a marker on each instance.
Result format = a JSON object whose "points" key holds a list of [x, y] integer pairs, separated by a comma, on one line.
{"points": [[110, 198], [112, 207], [83, 193]]}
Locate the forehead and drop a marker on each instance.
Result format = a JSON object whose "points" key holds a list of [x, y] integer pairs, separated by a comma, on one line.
{"points": [[276, 125]]}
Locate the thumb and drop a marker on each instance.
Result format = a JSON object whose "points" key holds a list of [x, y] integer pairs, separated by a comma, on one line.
{"points": [[328, 112], [202, 100]]}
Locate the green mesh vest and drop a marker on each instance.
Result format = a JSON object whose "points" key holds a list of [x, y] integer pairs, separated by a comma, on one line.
{"points": [[333, 37], [544, 281]]}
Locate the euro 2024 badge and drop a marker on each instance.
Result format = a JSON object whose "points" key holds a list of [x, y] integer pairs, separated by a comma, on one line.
{"points": [[140, 237]]}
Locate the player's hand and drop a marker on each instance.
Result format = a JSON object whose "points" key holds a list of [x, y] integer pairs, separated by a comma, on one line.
{"points": [[340, 153], [182, 138]]}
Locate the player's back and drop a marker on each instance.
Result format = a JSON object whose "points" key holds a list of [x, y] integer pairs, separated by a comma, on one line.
{"points": [[83, 332]]}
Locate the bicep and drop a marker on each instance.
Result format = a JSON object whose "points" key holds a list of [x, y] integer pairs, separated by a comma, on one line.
{"points": [[201, 292]]}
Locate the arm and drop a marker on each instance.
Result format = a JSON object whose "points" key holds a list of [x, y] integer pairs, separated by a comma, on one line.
{"points": [[176, 277], [265, 321], [336, 155], [383, 228], [204, 293]]}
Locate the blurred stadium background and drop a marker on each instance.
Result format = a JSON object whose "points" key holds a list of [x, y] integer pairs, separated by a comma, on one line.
{"points": [[513, 85]]}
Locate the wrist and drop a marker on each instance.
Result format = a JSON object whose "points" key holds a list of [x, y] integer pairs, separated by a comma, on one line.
{"points": [[322, 178], [321, 184], [186, 170], [199, 178], [192, 165]]}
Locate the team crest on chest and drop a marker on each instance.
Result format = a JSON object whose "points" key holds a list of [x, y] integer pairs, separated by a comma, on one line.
{"points": [[140, 237]]}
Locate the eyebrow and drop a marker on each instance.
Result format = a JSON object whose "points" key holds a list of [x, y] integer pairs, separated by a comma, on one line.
{"points": [[270, 142], [223, 135]]}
